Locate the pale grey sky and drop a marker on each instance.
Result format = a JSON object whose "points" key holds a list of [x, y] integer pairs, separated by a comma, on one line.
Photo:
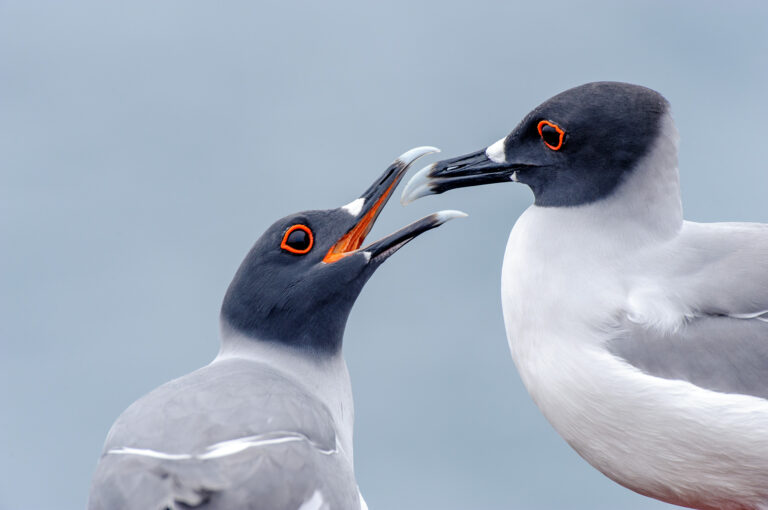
{"points": [[145, 145]]}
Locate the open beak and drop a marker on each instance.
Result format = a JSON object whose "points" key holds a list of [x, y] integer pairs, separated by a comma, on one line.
{"points": [[370, 204], [469, 170]]}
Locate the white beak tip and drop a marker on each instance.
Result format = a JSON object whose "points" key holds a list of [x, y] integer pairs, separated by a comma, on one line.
{"points": [[418, 186], [450, 214], [408, 157]]}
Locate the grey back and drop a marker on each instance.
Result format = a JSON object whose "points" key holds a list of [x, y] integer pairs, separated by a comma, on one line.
{"points": [[225, 401]]}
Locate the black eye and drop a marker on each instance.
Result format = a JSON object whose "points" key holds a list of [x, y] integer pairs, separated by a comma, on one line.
{"points": [[297, 239], [552, 134]]}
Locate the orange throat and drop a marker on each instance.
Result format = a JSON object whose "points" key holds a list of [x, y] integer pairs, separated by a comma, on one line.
{"points": [[352, 240]]}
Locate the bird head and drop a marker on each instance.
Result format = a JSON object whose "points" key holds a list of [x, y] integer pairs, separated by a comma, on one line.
{"points": [[300, 279], [573, 149]]}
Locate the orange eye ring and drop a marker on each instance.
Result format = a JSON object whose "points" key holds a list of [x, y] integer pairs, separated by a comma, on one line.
{"points": [[298, 251], [560, 132]]}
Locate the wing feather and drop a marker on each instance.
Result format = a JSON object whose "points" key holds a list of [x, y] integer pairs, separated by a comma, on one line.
{"points": [[718, 353], [234, 434]]}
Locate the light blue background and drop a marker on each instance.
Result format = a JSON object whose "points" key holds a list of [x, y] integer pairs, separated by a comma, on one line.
{"points": [[145, 145]]}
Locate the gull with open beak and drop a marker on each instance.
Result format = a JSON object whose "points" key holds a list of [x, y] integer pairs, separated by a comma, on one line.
{"points": [[268, 424]]}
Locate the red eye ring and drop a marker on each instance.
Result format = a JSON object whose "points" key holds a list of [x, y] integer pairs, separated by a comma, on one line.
{"points": [[284, 244], [560, 131]]}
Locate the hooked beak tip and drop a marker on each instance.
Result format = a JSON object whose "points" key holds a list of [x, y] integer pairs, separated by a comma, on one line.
{"points": [[418, 186], [408, 157], [366, 209]]}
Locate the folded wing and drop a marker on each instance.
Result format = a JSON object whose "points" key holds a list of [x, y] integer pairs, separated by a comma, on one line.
{"points": [[227, 436], [718, 274]]}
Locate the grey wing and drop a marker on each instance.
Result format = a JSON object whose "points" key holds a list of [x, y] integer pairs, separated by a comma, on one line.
{"points": [[719, 268], [233, 435], [286, 476], [718, 353], [138, 482]]}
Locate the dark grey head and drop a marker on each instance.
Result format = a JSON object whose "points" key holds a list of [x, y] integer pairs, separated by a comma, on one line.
{"points": [[573, 149], [298, 283]]}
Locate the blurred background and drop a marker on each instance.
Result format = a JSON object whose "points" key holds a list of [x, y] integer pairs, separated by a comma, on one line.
{"points": [[145, 145]]}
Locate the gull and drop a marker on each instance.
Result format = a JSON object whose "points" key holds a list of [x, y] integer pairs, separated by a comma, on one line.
{"points": [[268, 424], [642, 337]]}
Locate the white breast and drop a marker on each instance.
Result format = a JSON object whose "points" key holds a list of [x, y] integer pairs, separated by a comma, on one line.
{"points": [[570, 276], [563, 288]]}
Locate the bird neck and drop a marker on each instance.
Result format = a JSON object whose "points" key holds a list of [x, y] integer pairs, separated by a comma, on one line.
{"points": [[325, 376], [648, 201], [645, 208], [308, 314], [239, 343]]}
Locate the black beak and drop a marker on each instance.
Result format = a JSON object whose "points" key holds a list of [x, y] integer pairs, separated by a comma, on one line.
{"points": [[383, 248], [469, 170], [370, 204]]}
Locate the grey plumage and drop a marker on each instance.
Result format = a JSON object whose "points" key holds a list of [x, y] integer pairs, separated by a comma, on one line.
{"points": [[718, 353], [718, 268], [268, 424], [229, 399], [639, 335]]}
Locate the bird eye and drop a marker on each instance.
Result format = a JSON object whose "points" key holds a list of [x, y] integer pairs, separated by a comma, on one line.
{"points": [[552, 134], [297, 239]]}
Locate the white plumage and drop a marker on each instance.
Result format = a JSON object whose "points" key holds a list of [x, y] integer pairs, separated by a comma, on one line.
{"points": [[643, 338], [570, 280]]}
